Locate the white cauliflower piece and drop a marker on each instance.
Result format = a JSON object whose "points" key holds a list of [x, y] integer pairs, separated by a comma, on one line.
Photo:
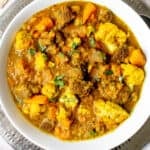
{"points": [[132, 74], [68, 99], [113, 37], [109, 113]]}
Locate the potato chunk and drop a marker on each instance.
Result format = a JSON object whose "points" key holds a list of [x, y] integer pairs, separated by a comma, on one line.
{"points": [[109, 113], [49, 90], [34, 110], [40, 62], [133, 75], [22, 41], [113, 37]]}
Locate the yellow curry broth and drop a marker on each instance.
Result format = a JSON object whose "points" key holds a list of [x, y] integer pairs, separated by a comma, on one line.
{"points": [[75, 70]]}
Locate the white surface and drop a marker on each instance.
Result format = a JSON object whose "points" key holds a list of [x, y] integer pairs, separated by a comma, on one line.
{"points": [[146, 147], [127, 129], [4, 145]]}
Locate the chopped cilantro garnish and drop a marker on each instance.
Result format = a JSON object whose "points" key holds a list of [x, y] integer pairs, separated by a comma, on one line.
{"points": [[42, 47], [54, 99], [92, 42], [32, 51], [59, 81], [103, 56], [45, 56], [108, 72], [74, 46], [93, 132]]}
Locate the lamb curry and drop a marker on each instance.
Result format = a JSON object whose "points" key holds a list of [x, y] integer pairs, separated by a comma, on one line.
{"points": [[75, 70]]}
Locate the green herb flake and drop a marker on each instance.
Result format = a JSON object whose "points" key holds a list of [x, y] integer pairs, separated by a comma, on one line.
{"points": [[61, 54], [108, 72], [54, 99], [74, 46], [103, 55], [45, 56], [42, 47], [93, 132], [31, 51], [92, 42], [59, 81]]}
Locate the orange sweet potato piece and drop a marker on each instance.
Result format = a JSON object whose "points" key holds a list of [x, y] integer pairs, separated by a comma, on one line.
{"points": [[44, 23], [88, 10], [137, 58], [37, 99]]}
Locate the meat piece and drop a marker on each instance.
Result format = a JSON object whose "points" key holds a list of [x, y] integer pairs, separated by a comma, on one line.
{"points": [[74, 31], [123, 95], [62, 15], [59, 39], [81, 88], [109, 89], [104, 15], [21, 92], [96, 56], [47, 124], [119, 56]]}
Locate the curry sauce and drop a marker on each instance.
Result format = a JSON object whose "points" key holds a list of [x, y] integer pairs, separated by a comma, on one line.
{"points": [[75, 70]]}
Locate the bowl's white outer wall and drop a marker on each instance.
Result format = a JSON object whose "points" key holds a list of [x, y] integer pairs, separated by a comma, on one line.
{"points": [[121, 134]]}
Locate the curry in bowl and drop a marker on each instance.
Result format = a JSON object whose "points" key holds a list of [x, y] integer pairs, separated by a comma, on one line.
{"points": [[75, 70]]}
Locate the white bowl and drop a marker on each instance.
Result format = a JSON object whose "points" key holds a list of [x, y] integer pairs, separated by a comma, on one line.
{"points": [[110, 140]]}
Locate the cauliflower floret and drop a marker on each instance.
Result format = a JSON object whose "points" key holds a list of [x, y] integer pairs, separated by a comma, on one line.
{"points": [[49, 90], [111, 36], [22, 41], [62, 117], [69, 99], [132, 74], [40, 62], [109, 113], [33, 110]]}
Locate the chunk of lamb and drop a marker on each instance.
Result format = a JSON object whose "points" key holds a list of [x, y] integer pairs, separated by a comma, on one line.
{"points": [[47, 124], [62, 15], [120, 56], [81, 88], [105, 15]]}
